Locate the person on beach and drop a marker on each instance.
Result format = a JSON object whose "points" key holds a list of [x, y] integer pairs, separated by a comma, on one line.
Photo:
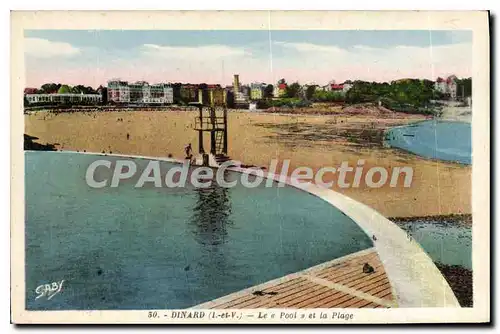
{"points": [[189, 151]]}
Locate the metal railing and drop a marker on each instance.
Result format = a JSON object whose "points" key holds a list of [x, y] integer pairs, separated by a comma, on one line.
{"points": [[209, 123]]}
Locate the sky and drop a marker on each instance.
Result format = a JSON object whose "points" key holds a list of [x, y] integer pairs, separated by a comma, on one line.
{"points": [[92, 57]]}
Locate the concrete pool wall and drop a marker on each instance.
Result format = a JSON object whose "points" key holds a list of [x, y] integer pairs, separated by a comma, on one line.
{"points": [[416, 281]]}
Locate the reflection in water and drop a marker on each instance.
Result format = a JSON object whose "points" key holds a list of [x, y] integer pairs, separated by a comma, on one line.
{"points": [[211, 214]]}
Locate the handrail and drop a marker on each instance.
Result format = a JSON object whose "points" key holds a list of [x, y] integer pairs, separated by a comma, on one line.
{"points": [[208, 122]]}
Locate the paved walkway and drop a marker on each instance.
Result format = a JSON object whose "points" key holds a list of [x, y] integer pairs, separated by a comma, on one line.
{"points": [[340, 283]]}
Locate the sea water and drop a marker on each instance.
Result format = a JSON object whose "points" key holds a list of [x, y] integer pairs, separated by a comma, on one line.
{"points": [[436, 139], [446, 242]]}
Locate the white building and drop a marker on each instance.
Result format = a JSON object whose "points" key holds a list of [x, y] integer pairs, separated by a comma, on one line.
{"points": [[118, 91], [168, 92], [279, 90], [240, 98], [328, 87], [140, 92], [146, 93], [347, 87], [64, 98], [257, 91], [447, 86]]}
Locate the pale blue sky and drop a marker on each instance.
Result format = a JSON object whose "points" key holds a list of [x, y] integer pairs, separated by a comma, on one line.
{"points": [[295, 55]]}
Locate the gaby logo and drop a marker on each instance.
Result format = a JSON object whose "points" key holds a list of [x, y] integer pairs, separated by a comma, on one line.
{"points": [[202, 177], [49, 290]]}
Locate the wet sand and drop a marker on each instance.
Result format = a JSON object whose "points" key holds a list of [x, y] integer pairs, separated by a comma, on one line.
{"points": [[316, 141]]}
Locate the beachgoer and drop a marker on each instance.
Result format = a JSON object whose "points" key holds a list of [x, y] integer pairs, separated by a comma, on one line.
{"points": [[189, 151]]}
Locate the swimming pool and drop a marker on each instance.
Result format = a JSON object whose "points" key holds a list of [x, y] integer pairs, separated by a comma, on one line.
{"points": [[157, 248], [444, 140]]}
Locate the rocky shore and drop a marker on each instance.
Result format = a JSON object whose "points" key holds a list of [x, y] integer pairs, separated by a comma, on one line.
{"points": [[445, 219], [460, 281]]}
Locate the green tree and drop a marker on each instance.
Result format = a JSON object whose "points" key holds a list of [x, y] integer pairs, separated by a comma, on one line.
{"points": [[322, 96], [268, 91], [81, 89], [64, 89], [310, 92], [292, 90], [408, 95], [49, 88], [464, 87]]}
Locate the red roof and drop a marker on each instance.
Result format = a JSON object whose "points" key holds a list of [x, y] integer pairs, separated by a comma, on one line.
{"points": [[29, 90], [282, 86], [335, 86]]}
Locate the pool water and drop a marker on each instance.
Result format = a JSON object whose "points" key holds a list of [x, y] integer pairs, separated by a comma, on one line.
{"points": [[444, 140], [166, 248]]}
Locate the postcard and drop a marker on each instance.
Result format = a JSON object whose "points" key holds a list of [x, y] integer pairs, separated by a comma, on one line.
{"points": [[260, 167]]}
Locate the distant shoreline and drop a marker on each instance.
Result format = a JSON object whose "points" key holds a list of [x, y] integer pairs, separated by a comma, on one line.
{"points": [[333, 109], [465, 218]]}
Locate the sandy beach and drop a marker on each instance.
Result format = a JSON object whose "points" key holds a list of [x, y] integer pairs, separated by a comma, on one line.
{"points": [[316, 141]]}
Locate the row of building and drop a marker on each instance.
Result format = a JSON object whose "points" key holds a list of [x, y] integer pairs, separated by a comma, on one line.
{"points": [[123, 92], [256, 91], [143, 93]]}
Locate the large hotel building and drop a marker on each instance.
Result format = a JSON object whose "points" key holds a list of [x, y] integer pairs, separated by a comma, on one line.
{"points": [[140, 92]]}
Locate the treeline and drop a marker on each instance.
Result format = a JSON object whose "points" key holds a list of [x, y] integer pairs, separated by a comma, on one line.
{"points": [[407, 95], [403, 95], [51, 88], [464, 87], [324, 96]]}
